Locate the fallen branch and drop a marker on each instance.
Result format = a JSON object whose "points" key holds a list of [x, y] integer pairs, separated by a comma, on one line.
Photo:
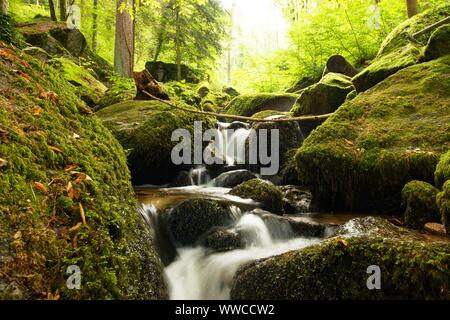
{"points": [[240, 118]]}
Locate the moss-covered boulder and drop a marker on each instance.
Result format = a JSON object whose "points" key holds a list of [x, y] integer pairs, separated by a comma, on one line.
{"points": [[66, 198], [443, 202], [121, 90], [362, 156], [438, 44], [262, 191], [144, 128], [87, 88], [420, 200], [58, 40], [325, 96], [398, 51], [338, 269], [191, 219], [182, 92], [221, 239], [249, 104], [442, 172]]}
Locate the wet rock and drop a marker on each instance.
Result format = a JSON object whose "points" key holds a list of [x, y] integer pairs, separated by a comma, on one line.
{"points": [[237, 125], [222, 239], [233, 178], [190, 219], [296, 199], [183, 179], [337, 269], [263, 192], [420, 200]]}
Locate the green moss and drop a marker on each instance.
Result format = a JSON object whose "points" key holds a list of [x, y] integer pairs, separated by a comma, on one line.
{"points": [[443, 202], [189, 220], [398, 51], [267, 194], [8, 31], [144, 128], [363, 155], [87, 88], [121, 90], [438, 44], [182, 92], [442, 172], [39, 117], [325, 96], [420, 200], [247, 105], [337, 269]]}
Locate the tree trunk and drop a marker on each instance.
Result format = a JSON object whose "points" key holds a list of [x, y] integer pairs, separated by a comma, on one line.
{"points": [[94, 26], [413, 7], [4, 4], [178, 44], [62, 10], [51, 5], [124, 44]]}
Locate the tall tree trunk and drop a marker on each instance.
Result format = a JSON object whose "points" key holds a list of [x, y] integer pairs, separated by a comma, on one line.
{"points": [[94, 26], [62, 10], [51, 5], [4, 4], [413, 7], [124, 44], [178, 44]]}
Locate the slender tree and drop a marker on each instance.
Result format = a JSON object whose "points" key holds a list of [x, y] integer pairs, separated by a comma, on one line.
{"points": [[94, 25], [4, 4], [413, 7], [124, 43], [51, 5], [62, 10]]}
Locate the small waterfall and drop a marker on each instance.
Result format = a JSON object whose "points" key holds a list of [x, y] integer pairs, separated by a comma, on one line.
{"points": [[199, 176], [198, 274], [231, 144]]}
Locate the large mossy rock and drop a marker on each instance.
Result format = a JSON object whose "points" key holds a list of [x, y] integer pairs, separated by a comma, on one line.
{"points": [[59, 168], [249, 104], [443, 201], [362, 156], [145, 129], [420, 200], [325, 96], [398, 51], [438, 44], [191, 219], [87, 87], [58, 40], [262, 191], [337, 269]]}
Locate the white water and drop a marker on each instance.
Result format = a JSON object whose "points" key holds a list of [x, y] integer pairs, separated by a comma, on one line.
{"points": [[199, 275], [199, 176], [231, 144]]}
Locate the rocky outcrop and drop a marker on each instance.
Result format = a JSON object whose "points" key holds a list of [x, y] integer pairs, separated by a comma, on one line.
{"points": [[233, 178], [361, 157], [66, 195], [145, 129], [264, 192]]}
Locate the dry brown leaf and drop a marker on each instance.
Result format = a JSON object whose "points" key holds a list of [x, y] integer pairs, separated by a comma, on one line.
{"points": [[83, 217], [56, 149], [3, 162], [76, 227], [71, 192], [70, 167], [343, 242], [17, 235], [41, 187], [349, 142], [37, 110], [8, 54], [82, 177], [23, 75]]}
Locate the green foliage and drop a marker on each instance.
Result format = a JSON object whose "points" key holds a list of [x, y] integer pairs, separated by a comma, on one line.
{"points": [[8, 32]]}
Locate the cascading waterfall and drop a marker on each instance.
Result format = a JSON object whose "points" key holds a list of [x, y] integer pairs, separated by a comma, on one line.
{"points": [[231, 144], [199, 176], [197, 273]]}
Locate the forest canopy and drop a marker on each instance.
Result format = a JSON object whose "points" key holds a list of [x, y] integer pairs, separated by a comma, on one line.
{"points": [[216, 37]]}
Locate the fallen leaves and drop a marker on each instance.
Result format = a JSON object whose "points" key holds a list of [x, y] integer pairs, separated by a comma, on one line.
{"points": [[36, 110], [83, 217], [76, 227], [71, 192], [47, 95], [8, 54], [41, 187], [343, 242], [56, 149], [70, 167], [81, 177], [3, 163]]}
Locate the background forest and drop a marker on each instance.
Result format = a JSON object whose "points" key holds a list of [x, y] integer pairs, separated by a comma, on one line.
{"points": [[211, 36]]}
